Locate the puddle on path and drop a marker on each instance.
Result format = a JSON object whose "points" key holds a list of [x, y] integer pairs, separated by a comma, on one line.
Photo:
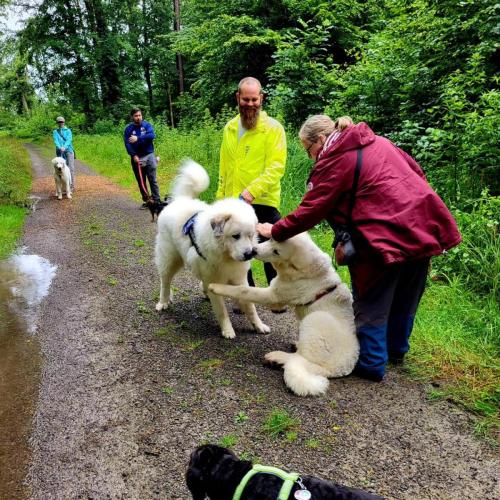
{"points": [[24, 281]]}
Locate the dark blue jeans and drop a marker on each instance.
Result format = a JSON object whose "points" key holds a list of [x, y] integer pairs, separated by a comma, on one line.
{"points": [[384, 315]]}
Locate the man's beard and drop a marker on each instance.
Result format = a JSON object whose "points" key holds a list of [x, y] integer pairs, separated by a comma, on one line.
{"points": [[249, 116]]}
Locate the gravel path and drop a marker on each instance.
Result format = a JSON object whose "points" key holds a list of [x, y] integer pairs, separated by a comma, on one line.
{"points": [[127, 393]]}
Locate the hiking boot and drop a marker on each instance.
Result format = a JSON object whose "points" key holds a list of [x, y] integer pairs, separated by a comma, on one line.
{"points": [[367, 375], [396, 358]]}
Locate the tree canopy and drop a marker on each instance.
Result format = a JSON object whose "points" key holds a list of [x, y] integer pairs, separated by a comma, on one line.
{"points": [[423, 72]]}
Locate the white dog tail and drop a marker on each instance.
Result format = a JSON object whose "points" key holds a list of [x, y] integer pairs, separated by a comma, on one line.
{"points": [[299, 377], [191, 180]]}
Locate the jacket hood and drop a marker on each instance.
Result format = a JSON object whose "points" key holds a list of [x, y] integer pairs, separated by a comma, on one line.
{"points": [[353, 137]]}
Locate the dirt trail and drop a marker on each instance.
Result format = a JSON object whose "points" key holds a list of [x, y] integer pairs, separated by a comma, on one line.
{"points": [[126, 393]]}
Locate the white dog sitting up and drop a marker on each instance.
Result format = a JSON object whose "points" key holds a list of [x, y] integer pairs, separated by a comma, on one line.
{"points": [[327, 345], [62, 176]]}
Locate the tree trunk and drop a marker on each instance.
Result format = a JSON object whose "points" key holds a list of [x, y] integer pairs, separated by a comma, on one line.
{"points": [[107, 66], [177, 27], [146, 60], [170, 107]]}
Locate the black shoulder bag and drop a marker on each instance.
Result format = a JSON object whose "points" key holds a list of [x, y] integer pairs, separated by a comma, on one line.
{"points": [[344, 250]]}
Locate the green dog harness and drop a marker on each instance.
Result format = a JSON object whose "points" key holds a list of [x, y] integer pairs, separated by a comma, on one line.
{"points": [[289, 479]]}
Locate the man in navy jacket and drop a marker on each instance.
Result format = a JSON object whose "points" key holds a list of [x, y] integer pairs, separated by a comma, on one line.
{"points": [[138, 137]]}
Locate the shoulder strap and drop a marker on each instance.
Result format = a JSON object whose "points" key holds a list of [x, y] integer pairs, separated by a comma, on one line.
{"points": [[354, 185]]}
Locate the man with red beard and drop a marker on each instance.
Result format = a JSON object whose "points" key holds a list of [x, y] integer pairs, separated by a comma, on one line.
{"points": [[252, 158]]}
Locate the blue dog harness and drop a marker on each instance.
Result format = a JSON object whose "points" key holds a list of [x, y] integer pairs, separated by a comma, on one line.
{"points": [[188, 230]]}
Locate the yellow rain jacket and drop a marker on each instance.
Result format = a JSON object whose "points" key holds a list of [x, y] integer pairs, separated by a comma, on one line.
{"points": [[256, 162]]}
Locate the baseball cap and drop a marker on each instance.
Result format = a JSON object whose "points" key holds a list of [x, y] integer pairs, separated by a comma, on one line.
{"points": [[60, 119]]}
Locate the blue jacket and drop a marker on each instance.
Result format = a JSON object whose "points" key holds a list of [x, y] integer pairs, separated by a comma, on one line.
{"points": [[63, 138], [145, 135]]}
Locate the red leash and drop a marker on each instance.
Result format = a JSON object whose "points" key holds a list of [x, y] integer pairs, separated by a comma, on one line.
{"points": [[144, 186]]}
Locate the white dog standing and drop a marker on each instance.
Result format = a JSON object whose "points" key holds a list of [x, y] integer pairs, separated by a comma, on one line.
{"points": [[327, 345], [62, 176], [214, 241]]}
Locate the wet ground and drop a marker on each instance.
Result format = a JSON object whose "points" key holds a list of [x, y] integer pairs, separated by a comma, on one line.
{"points": [[126, 393], [19, 370]]}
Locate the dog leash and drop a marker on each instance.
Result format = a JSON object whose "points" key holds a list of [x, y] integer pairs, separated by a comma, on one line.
{"points": [[188, 230], [289, 479], [143, 184]]}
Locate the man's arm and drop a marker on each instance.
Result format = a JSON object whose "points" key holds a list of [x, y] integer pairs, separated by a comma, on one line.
{"points": [[275, 163], [148, 136]]}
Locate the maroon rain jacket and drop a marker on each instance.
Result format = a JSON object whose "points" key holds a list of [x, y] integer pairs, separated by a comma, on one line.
{"points": [[396, 212]]}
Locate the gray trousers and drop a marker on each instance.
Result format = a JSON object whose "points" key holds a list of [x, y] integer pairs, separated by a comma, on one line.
{"points": [[146, 170]]}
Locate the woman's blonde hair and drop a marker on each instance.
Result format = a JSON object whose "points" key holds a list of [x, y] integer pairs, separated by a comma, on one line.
{"points": [[317, 125]]}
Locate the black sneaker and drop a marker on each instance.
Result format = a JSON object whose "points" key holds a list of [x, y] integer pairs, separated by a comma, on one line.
{"points": [[367, 375], [396, 358], [144, 206]]}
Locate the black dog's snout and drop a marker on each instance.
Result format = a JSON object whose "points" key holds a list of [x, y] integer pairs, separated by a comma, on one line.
{"points": [[250, 254]]}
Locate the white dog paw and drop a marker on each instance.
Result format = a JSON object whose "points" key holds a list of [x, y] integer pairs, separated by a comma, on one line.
{"points": [[215, 288], [262, 328], [161, 306], [228, 334], [276, 358], [69, 197]]}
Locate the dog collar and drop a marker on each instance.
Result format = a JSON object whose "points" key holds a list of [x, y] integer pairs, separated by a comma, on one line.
{"points": [[289, 479], [188, 230], [320, 295]]}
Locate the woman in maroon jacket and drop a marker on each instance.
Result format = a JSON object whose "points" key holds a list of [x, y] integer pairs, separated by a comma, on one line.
{"points": [[398, 223]]}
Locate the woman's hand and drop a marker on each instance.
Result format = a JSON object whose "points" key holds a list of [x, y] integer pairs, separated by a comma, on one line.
{"points": [[265, 229]]}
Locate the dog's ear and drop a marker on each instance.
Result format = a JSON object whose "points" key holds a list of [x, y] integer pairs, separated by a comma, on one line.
{"points": [[218, 224], [54, 160], [198, 471], [194, 481]]}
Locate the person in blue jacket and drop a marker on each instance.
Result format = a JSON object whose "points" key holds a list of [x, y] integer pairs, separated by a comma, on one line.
{"points": [[63, 140], [138, 138]]}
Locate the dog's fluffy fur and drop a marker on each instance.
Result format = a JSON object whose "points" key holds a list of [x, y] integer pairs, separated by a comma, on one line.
{"points": [[216, 472], [62, 177], [225, 235], [327, 345]]}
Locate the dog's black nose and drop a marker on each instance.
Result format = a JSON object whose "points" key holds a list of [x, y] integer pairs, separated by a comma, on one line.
{"points": [[250, 254]]}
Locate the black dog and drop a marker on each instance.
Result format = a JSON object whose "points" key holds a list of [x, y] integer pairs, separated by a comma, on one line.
{"points": [[155, 207], [216, 472]]}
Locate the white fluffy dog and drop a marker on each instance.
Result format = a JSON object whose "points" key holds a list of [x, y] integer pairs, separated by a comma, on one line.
{"points": [[62, 176], [215, 242], [327, 345]]}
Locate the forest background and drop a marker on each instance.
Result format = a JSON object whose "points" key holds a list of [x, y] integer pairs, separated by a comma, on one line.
{"points": [[424, 73]]}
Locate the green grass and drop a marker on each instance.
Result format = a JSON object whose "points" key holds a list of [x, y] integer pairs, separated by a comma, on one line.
{"points": [[279, 423], [456, 343], [455, 340], [15, 185]]}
